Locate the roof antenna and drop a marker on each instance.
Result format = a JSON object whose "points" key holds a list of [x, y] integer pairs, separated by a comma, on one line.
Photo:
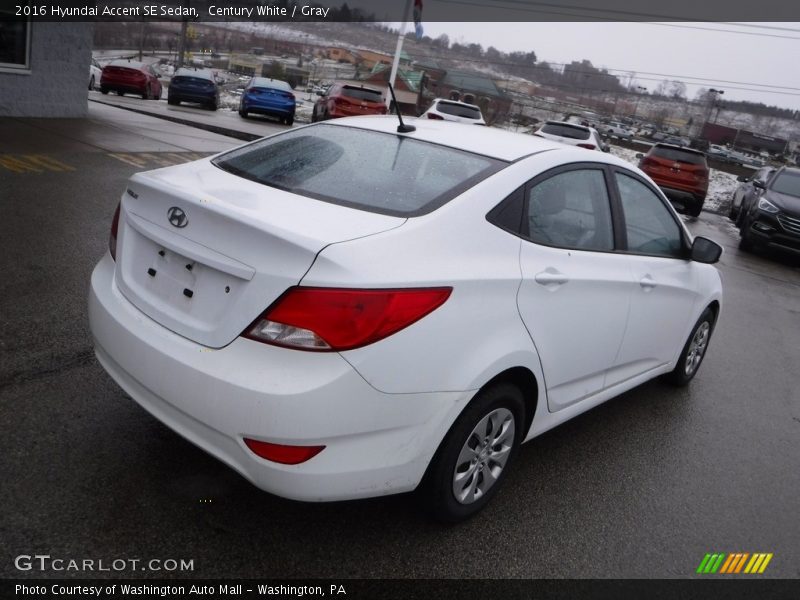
{"points": [[402, 128]]}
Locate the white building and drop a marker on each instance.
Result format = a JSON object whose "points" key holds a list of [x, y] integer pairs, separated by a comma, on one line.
{"points": [[44, 68]]}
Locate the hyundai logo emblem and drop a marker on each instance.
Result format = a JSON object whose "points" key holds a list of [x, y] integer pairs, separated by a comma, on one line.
{"points": [[177, 218]]}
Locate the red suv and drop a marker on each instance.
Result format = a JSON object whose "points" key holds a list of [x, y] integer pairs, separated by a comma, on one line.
{"points": [[348, 100], [681, 173], [130, 77]]}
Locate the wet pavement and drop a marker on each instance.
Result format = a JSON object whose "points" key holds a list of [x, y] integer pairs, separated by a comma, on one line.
{"points": [[643, 486]]}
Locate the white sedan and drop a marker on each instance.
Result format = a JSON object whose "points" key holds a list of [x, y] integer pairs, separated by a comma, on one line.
{"points": [[342, 311]]}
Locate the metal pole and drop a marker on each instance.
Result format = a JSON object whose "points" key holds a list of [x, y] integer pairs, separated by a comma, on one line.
{"points": [[396, 62]]}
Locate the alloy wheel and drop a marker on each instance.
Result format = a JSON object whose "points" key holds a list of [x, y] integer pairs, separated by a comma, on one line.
{"points": [[483, 456], [697, 348]]}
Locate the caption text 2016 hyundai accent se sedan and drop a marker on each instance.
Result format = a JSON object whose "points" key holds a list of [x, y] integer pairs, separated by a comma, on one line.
{"points": [[343, 311]]}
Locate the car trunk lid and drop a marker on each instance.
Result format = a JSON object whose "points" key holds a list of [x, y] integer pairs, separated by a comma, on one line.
{"points": [[203, 252]]}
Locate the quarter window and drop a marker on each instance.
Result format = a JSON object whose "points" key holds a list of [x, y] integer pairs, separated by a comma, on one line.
{"points": [[650, 227], [571, 210]]}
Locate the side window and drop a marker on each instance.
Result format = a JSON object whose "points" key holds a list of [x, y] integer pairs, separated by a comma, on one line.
{"points": [[571, 210], [650, 227]]}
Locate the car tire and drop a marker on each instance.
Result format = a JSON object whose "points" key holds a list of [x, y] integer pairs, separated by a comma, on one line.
{"points": [[290, 121], [483, 440], [746, 239], [173, 101], [91, 83], [120, 93], [146, 95], [694, 350], [212, 106], [695, 210], [103, 90], [243, 113]]}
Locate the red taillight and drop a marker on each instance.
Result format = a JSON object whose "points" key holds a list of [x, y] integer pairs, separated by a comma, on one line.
{"points": [[281, 453], [112, 239], [587, 146], [333, 319], [435, 117]]}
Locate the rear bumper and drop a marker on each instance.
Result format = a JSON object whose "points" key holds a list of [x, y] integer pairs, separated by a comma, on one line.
{"points": [[376, 443], [694, 196], [192, 97], [122, 87], [269, 109]]}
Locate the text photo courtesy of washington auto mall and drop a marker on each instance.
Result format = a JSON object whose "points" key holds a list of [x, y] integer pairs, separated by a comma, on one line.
{"points": [[400, 299]]}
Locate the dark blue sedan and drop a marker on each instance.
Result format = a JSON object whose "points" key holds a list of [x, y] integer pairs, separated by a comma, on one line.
{"points": [[270, 97], [190, 85]]}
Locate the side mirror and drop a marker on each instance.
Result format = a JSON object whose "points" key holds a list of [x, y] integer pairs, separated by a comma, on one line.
{"points": [[743, 178], [639, 155], [759, 184], [319, 93], [705, 251]]}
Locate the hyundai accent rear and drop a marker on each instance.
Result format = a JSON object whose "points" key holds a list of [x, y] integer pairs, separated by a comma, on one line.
{"points": [[347, 310]]}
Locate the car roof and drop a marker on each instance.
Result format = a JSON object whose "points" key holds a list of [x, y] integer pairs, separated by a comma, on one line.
{"points": [[130, 64], [202, 73], [273, 83], [487, 141]]}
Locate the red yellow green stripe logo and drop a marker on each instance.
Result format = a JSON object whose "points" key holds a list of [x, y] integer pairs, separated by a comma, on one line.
{"points": [[734, 563]]}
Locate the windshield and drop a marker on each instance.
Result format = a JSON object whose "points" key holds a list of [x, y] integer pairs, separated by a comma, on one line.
{"points": [[787, 183], [679, 155], [369, 170], [362, 94]]}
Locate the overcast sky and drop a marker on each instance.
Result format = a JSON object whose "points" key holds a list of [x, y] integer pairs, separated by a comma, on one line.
{"points": [[754, 56]]}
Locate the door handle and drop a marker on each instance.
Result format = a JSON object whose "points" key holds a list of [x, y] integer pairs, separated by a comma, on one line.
{"points": [[648, 283], [551, 277]]}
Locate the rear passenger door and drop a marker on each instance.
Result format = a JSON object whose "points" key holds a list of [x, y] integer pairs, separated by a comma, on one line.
{"points": [[575, 291], [664, 294]]}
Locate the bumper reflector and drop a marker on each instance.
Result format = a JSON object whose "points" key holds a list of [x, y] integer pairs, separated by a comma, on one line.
{"points": [[280, 453]]}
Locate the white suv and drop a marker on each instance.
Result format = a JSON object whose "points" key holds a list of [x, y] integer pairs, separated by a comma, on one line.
{"points": [[572, 134], [450, 110]]}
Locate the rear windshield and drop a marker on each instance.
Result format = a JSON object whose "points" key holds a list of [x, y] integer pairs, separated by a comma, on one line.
{"points": [[458, 110], [787, 183], [194, 80], [679, 155], [566, 130], [368, 170], [362, 94]]}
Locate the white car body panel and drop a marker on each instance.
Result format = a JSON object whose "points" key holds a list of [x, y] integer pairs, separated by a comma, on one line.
{"points": [[381, 410]]}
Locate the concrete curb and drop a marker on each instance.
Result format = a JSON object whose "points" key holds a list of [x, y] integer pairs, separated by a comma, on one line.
{"points": [[233, 133]]}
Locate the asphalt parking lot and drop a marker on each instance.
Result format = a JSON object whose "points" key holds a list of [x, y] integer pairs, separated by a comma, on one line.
{"points": [[643, 486]]}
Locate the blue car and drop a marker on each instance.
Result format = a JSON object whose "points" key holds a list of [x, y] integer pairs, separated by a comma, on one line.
{"points": [[270, 97], [194, 85]]}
